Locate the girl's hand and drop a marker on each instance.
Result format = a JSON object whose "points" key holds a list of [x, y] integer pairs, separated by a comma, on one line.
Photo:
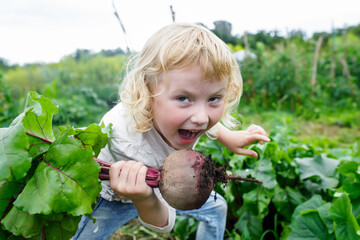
{"points": [[235, 141], [127, 179]]}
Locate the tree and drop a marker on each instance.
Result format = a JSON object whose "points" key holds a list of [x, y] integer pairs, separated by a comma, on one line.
{"points": [[223, 30]]}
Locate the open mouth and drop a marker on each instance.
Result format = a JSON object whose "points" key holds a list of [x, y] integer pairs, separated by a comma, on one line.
{"points": [[188, 136]]}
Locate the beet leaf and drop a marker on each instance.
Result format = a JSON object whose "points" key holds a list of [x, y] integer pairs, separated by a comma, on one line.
{"points": [[47, 182]]}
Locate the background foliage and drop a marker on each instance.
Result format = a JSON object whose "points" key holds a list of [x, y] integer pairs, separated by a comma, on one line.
{"points": [[309, 106]]}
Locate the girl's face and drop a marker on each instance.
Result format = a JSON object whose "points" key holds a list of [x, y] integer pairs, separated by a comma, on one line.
{"points": [[186, 105]]}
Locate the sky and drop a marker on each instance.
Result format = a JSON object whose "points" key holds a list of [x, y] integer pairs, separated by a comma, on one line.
{"points": [[46, 30]]}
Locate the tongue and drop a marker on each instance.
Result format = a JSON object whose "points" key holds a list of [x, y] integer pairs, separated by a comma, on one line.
{"points": [[185, 134]]}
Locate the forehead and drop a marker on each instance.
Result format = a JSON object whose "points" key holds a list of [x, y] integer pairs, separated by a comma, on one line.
{"points": [[190, 78], [194, 71]]}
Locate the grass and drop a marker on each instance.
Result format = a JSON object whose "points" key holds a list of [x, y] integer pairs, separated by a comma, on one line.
{"points": [[334, 130], [134, 230]]}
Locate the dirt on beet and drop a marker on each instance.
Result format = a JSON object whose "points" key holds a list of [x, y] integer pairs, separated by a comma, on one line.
{"points": [[212, 174]]}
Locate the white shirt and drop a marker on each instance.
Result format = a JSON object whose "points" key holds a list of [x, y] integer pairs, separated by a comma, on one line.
{"points": [[126, 144]]}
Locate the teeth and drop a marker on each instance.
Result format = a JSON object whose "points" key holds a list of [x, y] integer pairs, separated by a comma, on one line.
{"points": [[188, 134]]}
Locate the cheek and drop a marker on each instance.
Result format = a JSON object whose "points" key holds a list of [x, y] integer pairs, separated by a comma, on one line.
{"points": [[173, 118], [166, 116], [216, 115]]}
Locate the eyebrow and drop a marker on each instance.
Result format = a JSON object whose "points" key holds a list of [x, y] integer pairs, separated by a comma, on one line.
{"points": [[185, 91]]}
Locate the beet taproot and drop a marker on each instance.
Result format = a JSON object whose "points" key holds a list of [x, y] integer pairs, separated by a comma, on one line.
{"points": [[185, 179]]}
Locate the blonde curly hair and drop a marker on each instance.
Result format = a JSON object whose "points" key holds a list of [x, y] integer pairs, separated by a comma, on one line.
{"points": [[179, 46]]}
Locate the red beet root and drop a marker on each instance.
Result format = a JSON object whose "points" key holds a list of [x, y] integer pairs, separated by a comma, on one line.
{"points": [[185, 179]]}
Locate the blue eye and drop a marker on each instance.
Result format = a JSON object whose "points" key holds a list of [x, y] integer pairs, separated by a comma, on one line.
{"points": [[183, 99]]}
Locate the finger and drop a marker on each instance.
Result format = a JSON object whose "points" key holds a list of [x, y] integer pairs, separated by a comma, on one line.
{"points": [[252, 126], [125, 171], [133, 175], [114, 174], [256, 129], [262, 138], [115, 169], [247, 152], [141, 177], [257, 137]]}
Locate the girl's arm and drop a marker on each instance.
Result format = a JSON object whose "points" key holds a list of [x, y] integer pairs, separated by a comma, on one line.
{"points": [[235, 141], [127, 178]]}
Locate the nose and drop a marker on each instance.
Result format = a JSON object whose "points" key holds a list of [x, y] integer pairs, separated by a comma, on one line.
{"points": [[200, 116]]}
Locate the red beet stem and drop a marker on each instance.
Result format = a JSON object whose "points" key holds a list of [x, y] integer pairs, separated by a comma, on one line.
{"points": [[104, 176], [105, 169], [152, 179], [101, 162]]}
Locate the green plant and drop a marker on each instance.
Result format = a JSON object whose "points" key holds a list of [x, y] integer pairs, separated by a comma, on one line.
{"points": [[185, 228], [293, 175], [47, 182]]}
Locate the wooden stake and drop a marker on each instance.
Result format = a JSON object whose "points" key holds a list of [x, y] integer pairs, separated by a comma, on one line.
{"points": [[347, 74], [172, 13], [246, 44], [316, 57]]}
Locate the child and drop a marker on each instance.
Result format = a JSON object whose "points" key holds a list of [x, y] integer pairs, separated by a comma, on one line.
{"points": [[183, 82]]}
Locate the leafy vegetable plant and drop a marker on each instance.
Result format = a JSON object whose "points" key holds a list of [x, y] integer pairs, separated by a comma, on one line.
{"points": [[307, 192], [47, 182]]}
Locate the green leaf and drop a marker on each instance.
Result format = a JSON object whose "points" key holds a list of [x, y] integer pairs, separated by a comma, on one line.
{"points": [[257, 201], [351, 183], [356, 208], [63, 229], [324, 215], [319, 166], [271, 151], [46, 184], [8, 193], [307, 222], [350, 167], [237, 161], [18, 148], [94, 136], [285, 200], [345, 224], [295, 196], [39, 113], [309, 226], [22, 223], [248, 224], [264, 172], [185, 227], [65, 181], [281, 202], [300, 151], [285, 231], [14, 158], [35, 226], [313, 203]]}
